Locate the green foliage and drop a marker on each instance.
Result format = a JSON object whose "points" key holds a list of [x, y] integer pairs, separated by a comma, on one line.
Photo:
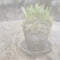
{"points": [[36, 14], [33, 13]]}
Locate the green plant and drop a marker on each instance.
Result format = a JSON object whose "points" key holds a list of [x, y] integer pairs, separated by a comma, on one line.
{"points": [[35, 15]]}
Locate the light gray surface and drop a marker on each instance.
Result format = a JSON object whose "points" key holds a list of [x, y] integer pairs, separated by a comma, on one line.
{"points": [[6, 2], [11, 34], [10, 12], [13, 11]]}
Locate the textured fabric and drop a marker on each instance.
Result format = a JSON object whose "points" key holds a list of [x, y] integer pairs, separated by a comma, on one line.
{"points": [[11, 34]]}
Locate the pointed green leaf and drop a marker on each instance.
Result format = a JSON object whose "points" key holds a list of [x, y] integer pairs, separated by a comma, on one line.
{"points": [[24, 11]]}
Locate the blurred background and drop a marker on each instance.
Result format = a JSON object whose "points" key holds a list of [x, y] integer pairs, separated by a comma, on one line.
{"points": [[11, 32], [10, 9]]}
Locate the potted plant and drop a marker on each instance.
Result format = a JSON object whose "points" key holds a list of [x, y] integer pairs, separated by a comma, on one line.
{"points": [[37, 26]]}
